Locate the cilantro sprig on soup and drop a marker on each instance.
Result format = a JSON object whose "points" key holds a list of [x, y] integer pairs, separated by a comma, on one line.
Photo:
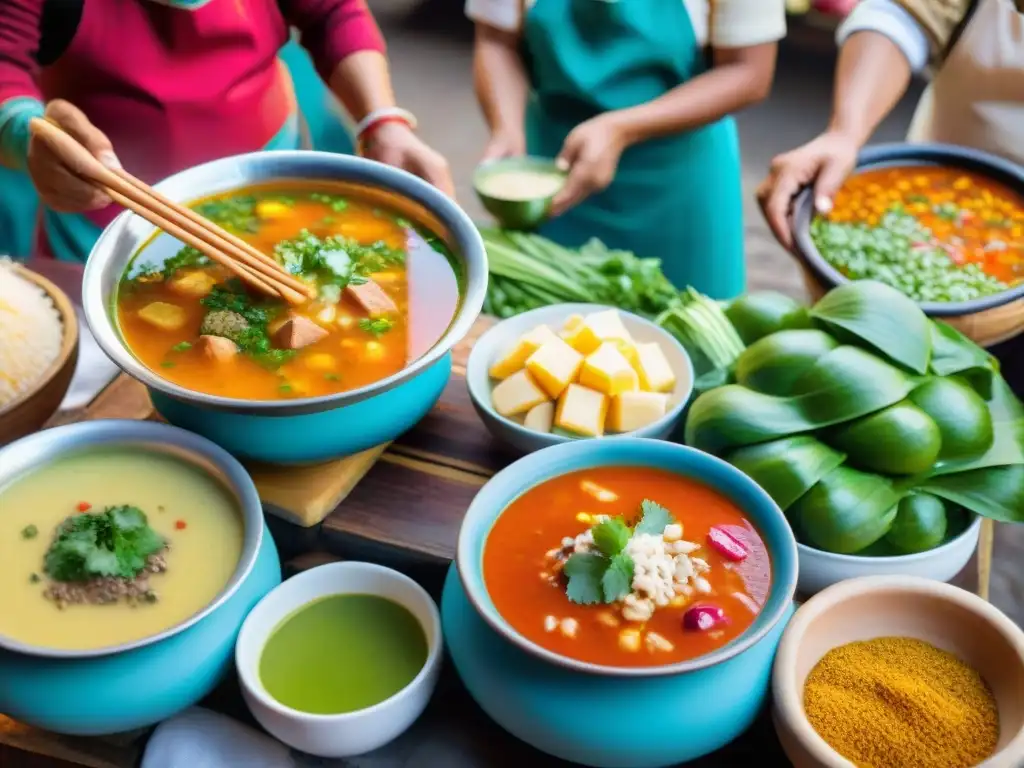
{"points": [[627, 567]]}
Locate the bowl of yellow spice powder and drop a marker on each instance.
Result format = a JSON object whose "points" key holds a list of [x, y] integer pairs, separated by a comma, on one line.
{"points": [[900, 672]]}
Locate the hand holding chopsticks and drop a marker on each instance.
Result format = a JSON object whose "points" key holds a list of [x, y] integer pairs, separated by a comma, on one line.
{"points": [[252, 266]]}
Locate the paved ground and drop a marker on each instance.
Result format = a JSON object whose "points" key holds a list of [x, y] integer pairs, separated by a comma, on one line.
{"points": [[431, 54]]}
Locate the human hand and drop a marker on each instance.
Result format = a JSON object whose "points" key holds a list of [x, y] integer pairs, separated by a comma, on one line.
{"points": [[825, 161], [591, 153], [396, 144], [504, 144], [56, 184]]}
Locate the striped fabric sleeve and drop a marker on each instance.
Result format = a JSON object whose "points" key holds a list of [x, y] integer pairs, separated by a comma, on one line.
{"points": [[20, 99], [332, 30]]}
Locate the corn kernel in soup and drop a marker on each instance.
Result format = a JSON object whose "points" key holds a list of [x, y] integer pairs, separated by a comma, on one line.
{"points": [[626, 567], [68, 585], [386, 292]]}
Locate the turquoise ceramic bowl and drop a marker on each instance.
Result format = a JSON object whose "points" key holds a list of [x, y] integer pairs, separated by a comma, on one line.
{"points": [[140, 683], [562, 706]]}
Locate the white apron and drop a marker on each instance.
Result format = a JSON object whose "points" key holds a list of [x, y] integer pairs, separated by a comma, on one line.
{"points": [[977, 98]]}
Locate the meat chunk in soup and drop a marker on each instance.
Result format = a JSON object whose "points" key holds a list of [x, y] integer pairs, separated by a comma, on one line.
{"points": [[372, 298], [297, 332], [218, 348]]}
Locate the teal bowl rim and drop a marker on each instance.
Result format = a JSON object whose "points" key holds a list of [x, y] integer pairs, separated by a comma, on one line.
{"points": [[489, 167], [528, 472], [41, 448], [912, 557], [480, 347]]}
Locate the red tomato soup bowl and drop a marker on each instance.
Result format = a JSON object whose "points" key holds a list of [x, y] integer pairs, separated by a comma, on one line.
{"points": [[627, 576]]}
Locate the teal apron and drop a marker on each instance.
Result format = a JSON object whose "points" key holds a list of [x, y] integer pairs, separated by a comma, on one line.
{"points": [[677, 198], [71, 236]]}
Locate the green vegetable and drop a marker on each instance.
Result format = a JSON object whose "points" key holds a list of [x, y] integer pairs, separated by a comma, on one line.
{"points": [[29, 532], [759, 314], [236, 315], [701, 325], [773, 364], [898, 440], [237, 213], [611, 536], [920, 524], [653, 518], [115, 542], [585, 572], [899, 252], [841, 437], [182, 346], [376, 326]]}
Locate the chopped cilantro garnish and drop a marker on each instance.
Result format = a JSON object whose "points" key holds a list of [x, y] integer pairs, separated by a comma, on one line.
{"points": [[653, 518], [335, 260], [284, 389], [182, 346], [335, 203], [377, 326], [115, 542], [253, 340], [235, 213], [617, 580], [611, 536], [332, 377], [167, 364], [584, 572], [29, 532], [404, 223]]}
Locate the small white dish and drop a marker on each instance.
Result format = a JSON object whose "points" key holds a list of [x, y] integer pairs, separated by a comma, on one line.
{"points": [[820, 570], [351, 733], [499, 339]]}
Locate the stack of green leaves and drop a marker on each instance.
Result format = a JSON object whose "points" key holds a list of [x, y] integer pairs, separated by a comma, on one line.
{"points": [[606, 576], [873, 427], [115, 542]]}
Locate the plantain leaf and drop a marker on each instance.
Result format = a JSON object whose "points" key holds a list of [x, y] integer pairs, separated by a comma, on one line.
{"points": [[881, 317], [786, 468], [846, 511], [996, 492], [845, 384], [954, 353]]}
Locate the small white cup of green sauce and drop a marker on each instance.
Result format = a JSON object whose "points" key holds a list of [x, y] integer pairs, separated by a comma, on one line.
{"points": [[341, 659]]}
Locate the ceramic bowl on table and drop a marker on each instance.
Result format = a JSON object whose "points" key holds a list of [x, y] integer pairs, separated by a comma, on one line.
{"points": [[898, 606], [986, 320], [28, 412], [499, 339], [518, 210], [670, 713], [350, 733], [136, 684], [295, 430], [820, 569]]}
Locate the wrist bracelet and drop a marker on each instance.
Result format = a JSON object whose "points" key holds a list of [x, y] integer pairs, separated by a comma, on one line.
{"points": [[385, 115]]}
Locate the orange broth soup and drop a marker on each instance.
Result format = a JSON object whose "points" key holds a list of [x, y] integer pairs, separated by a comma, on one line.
{"points": [[172, 298], [528, 551]]}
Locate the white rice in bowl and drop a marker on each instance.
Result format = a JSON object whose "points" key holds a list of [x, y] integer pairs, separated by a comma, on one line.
{"points": [[31, 334]]}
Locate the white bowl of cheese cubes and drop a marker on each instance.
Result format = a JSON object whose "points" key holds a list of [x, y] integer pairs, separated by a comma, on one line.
{"points": [[573, 371]]}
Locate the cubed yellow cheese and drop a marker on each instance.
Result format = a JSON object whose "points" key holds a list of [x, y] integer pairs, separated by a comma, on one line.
{"points": [[321, 361], [517, 394], [633, 410], [166, 317], [582, 410], [597, 328], [608, 371], [540, 417], [572, 322], [515, 358], [628, 350], [656, 374], [555, 366], [194, 284]]}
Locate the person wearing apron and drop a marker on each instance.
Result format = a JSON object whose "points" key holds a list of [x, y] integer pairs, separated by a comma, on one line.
{"points": [[176, 83], [975, 99], [322, 118], [624, 93]]}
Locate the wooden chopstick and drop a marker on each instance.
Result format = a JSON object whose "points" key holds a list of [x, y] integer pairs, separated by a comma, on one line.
{"points": [[259, 271]]}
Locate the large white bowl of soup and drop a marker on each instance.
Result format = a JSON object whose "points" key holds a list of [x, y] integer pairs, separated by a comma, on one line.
{"points": [[132, 553], [398, 272]]}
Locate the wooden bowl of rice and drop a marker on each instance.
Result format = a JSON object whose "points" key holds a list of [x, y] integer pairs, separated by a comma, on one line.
{"points": [[38, 350]]}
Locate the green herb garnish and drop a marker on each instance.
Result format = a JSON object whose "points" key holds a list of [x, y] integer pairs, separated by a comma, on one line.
{"points": [[332, 377], [34, 578], [167, 364], [29, 532], [115, 542], [607, 577], [335, 203], [284, 389], [235, 213], [182, 346], [249, 331], [377, 326]]}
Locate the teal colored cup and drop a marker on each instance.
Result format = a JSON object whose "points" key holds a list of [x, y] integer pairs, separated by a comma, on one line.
{"points": [[517, 214]]}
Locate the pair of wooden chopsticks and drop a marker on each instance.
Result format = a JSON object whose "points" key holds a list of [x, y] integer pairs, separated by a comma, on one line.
{"points": [[257, 269]]}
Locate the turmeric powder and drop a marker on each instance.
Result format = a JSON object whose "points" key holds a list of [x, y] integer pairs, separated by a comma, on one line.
{"points": [[897, 702]]}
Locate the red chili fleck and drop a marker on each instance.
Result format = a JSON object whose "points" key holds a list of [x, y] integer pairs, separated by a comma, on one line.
{"points": [[180, 525], [84, 506], [726, 544]]}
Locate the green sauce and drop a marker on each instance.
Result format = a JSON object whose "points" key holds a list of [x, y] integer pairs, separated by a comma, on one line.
{"points": [[342, 653]]}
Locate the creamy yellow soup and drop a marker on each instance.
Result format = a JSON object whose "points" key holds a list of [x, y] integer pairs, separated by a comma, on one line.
{"points": [[189, 508], [519, 185]]}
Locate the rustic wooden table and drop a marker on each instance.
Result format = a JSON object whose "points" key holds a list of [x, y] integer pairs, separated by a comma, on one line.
{"points": [[405, 513]]}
